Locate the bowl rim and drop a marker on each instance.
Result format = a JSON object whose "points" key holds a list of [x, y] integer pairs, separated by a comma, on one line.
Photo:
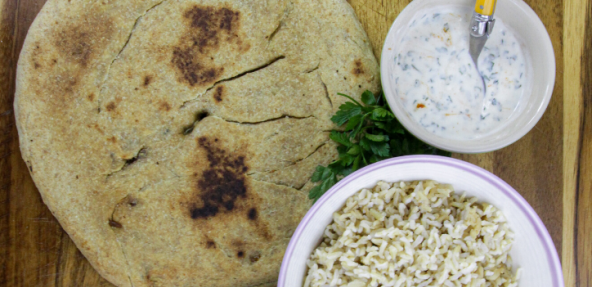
{"points": [[458, 145], [527, 210]]}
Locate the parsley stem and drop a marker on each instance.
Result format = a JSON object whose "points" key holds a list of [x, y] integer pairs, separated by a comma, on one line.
{"points": [[364, 158], [367, 127], [359, 127], [352, 99]]}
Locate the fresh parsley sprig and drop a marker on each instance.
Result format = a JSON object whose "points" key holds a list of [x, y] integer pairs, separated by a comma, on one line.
{"points": [[371, 133]]}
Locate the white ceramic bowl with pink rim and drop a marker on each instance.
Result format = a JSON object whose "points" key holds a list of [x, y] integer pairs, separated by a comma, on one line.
{"points": [[533, 249], [540, 59]]}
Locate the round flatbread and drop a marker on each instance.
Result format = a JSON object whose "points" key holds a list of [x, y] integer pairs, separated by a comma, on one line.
{"points": [[175, 140]]}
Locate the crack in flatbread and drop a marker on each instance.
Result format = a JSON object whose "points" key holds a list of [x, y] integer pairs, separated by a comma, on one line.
{"points": [[285, 116], [237, 76], [125, 46]]}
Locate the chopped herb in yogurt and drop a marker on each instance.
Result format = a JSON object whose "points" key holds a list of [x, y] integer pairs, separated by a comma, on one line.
{"points": [[438, 84]]}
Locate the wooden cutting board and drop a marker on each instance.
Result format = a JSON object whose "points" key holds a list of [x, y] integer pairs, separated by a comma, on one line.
{"points": [[551, 166]]}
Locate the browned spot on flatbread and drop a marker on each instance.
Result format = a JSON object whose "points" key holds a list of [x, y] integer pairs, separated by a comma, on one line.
{"points": [[69, 85], [96, 127], [82, 41], [132, 201], [166, 273], [36, 56], [76, 43], [238, 244], [223, 198], [255, 256], [115, 224], [112, 139], [262, 228], [245, 251], [358, 68], [207, 29], [127, 202], [193, 70], [147, 80], [212, 23], [91, 97], [252, 214], [222, 183], [110, 106], [164, 106], [218, 93]]}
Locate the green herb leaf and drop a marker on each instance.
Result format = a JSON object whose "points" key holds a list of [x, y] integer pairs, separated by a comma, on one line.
{"points": [[341, 138], [345, 113], [396, 148], [354, 150], [405, 146], [329, 182], [350, 98], [368, 98], [318, 174], [380, 148], [341, 149], [346, 159], [326, 173], [380, 113], [374, 158], [358, 128], [365, 144], [339, 169], [356, 163], [372, 133], [315, 193], [345, 172], [353, 122], [377, 138], [348, 106], [383, 126]]}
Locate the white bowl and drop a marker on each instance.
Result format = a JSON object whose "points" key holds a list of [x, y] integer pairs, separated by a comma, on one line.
{"points": [[533, 249], [538, 49]]}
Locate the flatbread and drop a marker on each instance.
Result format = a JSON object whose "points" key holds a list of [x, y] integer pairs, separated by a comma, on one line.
{"points": [[175, 140]]}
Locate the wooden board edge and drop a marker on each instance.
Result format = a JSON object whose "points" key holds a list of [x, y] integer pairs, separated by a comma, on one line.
{"points": [[574, 20]]}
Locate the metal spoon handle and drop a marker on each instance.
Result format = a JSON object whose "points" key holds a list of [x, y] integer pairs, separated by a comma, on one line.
{"points": [[481, 26]]}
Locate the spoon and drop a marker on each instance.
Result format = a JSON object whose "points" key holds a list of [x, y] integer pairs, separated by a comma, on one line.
{"points": [[481, 27]]}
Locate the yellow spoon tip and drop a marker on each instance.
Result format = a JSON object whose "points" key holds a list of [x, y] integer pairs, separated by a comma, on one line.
{"points": [[485, 7]]}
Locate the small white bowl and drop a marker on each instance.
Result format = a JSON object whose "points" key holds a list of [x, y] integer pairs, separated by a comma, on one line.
{"points": [[533, 249], [538, 49]]}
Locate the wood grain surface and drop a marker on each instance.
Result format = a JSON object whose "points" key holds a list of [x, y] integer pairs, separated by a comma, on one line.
{"points": [[551, 166]]}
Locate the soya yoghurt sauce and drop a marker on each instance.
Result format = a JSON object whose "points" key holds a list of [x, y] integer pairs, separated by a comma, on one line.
{"points": [[437, 82]]}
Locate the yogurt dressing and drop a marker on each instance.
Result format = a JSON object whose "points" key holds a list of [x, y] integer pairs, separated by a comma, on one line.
{"points": [[437, 82]]}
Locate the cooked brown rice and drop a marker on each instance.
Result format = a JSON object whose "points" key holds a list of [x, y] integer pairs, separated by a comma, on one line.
{"points": [[414, 234]]}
